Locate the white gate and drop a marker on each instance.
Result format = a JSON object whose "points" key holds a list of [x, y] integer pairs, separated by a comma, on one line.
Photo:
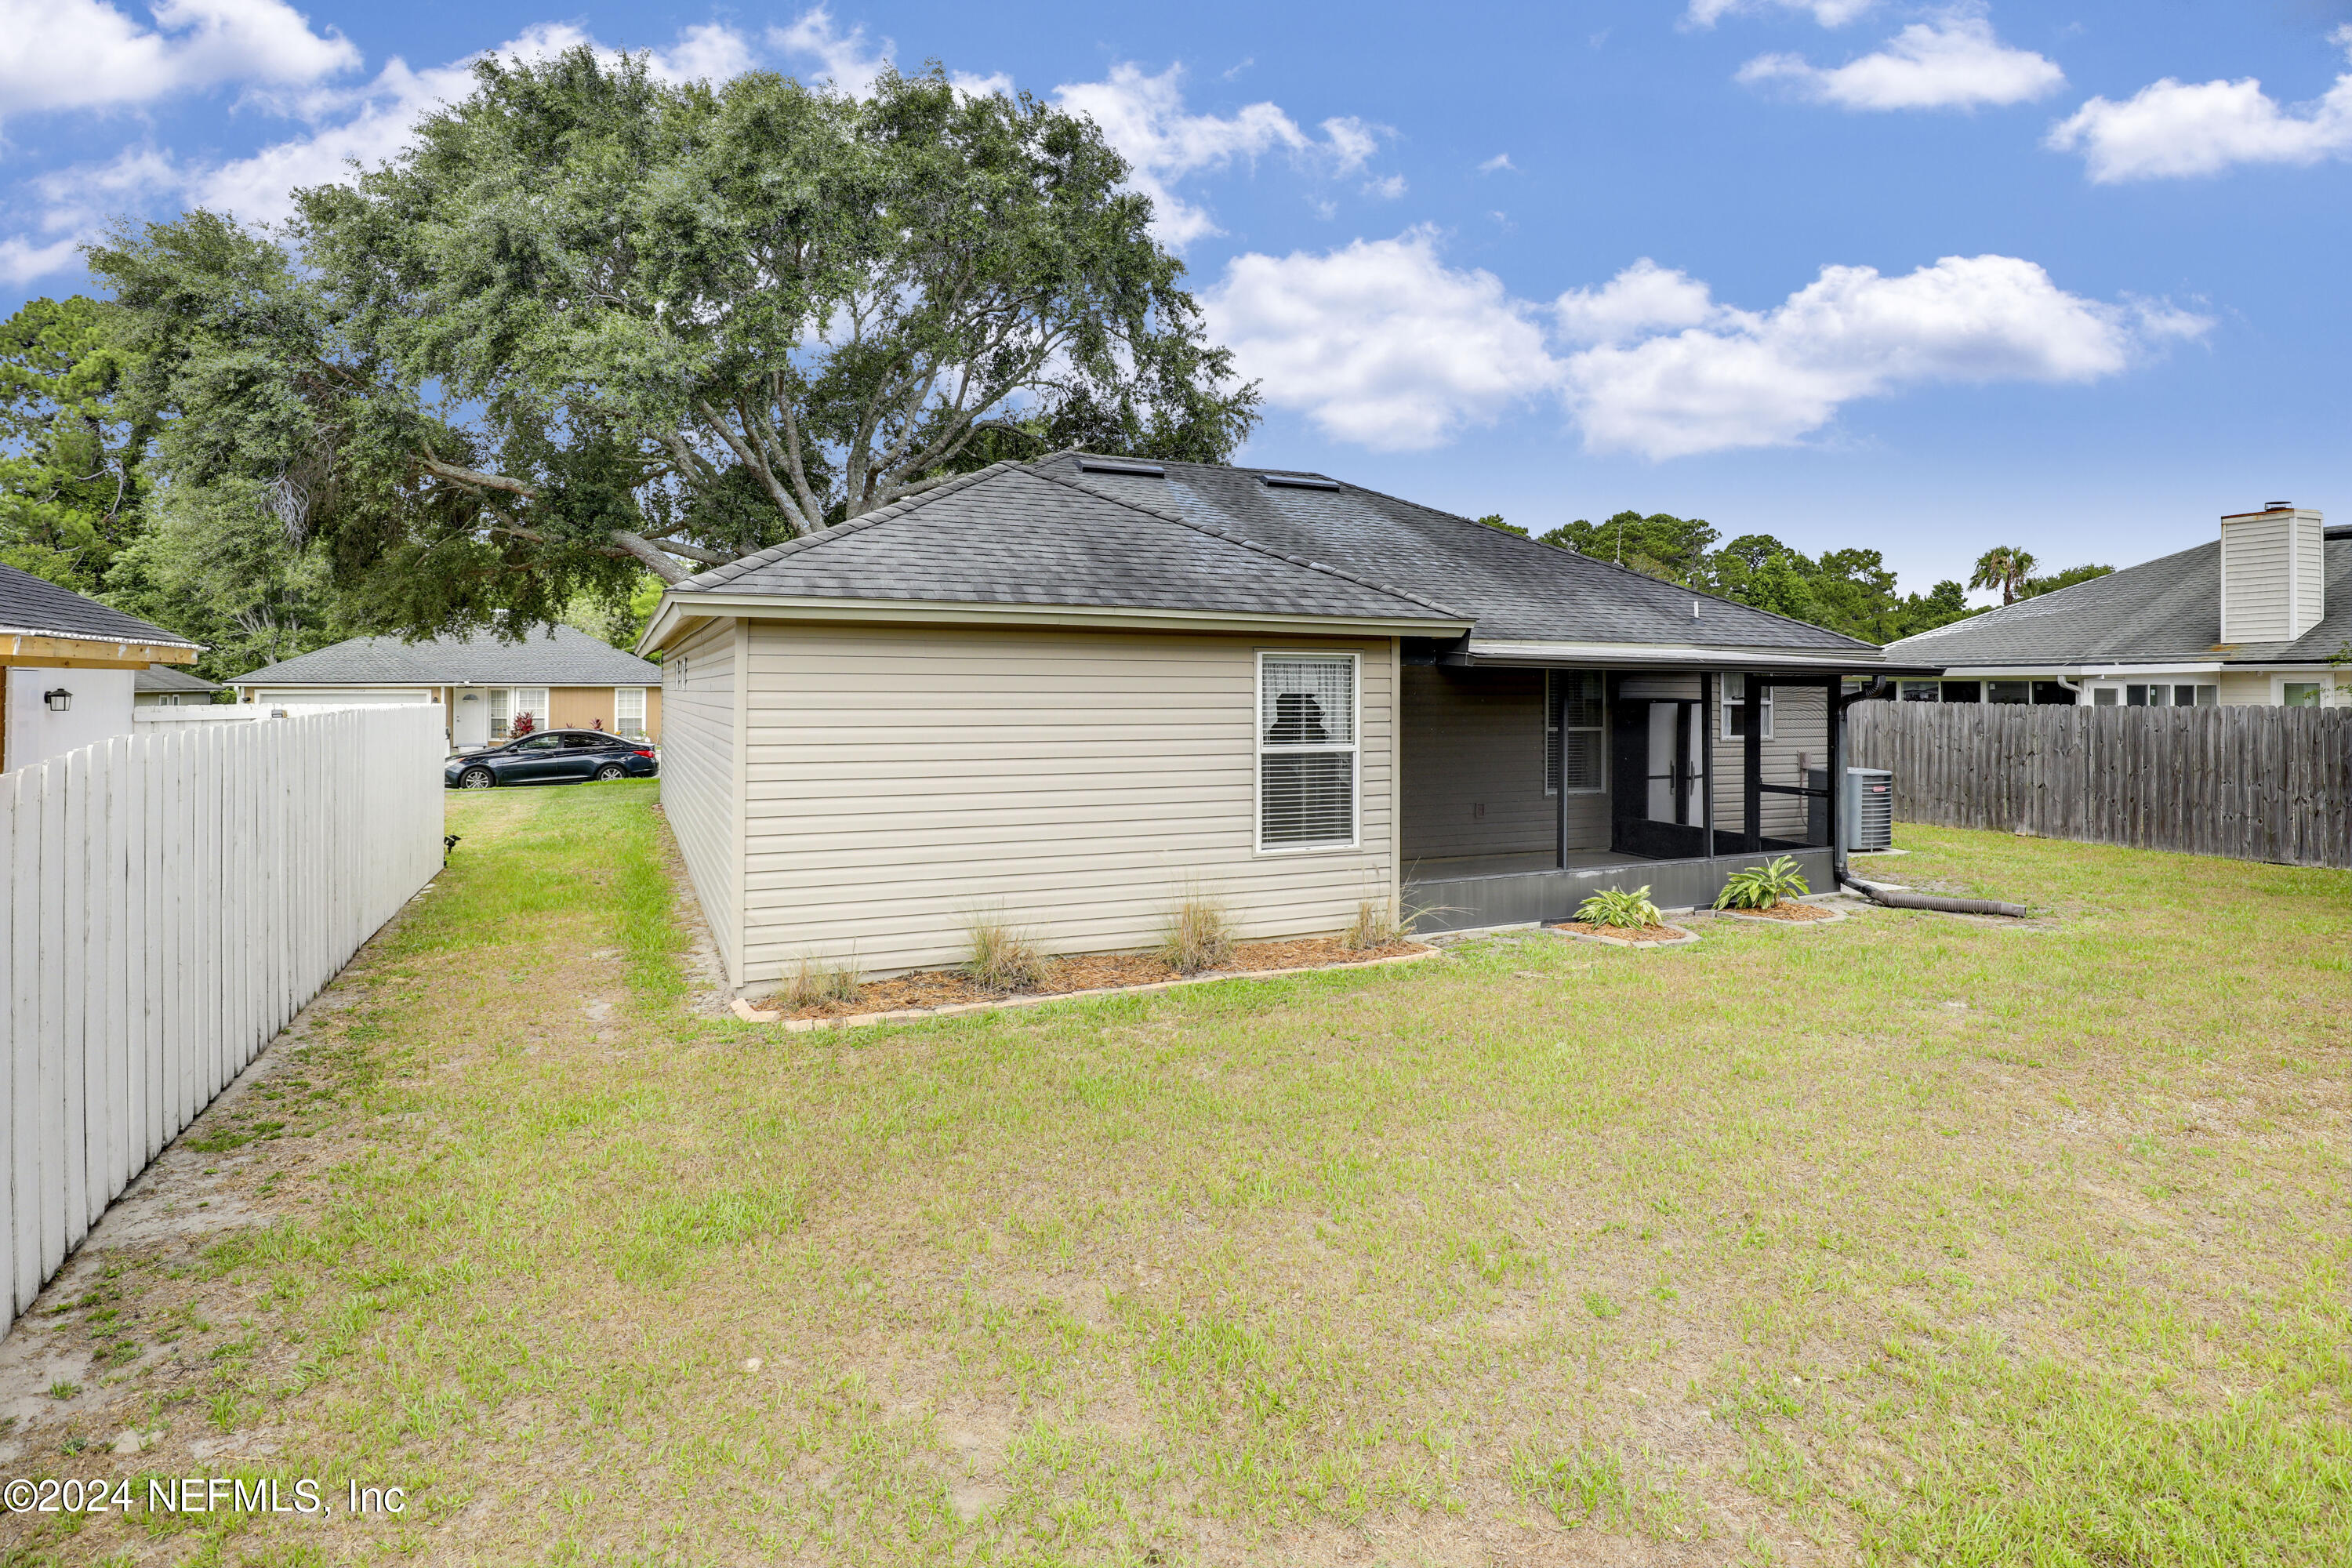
{"points": [[174, 896]]}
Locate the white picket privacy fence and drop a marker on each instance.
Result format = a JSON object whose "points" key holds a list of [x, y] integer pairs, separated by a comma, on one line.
{"points": [[173, 898]]}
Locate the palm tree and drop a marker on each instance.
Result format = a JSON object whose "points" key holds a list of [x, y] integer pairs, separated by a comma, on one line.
{"points": [[2005, 567]]}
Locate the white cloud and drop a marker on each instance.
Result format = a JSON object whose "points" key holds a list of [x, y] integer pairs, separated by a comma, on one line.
{"points": [[850, 62], [1144, 117], [1951, 62], [1757, 379], [1387, 190], [1828, 13], [1380, 342], [1499, 164], [22, 260], [2171, 129], [706, 52], [1645, 298], [85, 54]]}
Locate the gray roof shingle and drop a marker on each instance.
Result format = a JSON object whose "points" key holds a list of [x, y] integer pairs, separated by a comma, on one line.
{"points": [[1015, 535], [1205, 537], [1518, 590], [2167, 610], [163, 678], [34, 606], [548, 655]]}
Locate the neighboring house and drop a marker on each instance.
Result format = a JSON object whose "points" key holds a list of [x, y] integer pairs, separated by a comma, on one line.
{"points": [[68, 668], [161, 686], [2258, 616], [1072, 692], [562, 678]]}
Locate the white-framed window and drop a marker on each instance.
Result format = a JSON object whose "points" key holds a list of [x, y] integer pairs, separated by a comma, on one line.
{"points": [[1306, 750], [1921, 690], [1735, 709], [2298, 694], [628, 710], [1573, 700], [500, 709], [530, 700], [2104, 696], [2170, 694]]}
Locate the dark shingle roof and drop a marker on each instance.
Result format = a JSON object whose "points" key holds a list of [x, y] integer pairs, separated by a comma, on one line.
{"points": [[34, 606], [549, 656], [1014, 535], [1518, 590], [163, 678], [2162, 611]]}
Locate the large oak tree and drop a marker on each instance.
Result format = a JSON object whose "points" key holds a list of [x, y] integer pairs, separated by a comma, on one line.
{"points": [[593, 324]]}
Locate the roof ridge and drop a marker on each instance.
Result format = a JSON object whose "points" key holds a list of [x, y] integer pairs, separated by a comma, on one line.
{"points": [[727, 572], [1248, 543]]}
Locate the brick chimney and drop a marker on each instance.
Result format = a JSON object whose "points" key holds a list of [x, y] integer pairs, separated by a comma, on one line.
{"points": [[2273, 579]]}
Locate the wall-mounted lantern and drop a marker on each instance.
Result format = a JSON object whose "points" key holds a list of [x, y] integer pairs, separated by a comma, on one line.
{"points": [[59, 700]]}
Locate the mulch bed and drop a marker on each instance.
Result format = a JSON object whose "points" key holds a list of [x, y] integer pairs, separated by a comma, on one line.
{"points": [[1623, 933], [1083, 972], [1788, 911]]}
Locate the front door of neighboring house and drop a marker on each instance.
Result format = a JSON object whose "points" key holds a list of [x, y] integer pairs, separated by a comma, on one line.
{"points": [[469, 725]]}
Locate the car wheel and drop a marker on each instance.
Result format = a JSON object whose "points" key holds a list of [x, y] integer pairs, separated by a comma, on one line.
{"points": [[612, 770], [477, 778]]}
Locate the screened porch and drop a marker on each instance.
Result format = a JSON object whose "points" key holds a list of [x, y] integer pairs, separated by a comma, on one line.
{"points": [[1525, 788]]}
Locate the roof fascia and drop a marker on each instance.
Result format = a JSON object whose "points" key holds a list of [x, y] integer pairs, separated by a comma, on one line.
{"points": [[30, 646], [1619, 656], [675, 613]]}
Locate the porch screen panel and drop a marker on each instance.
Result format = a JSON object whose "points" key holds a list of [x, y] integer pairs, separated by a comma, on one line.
{"points": [[1306, 750], [1572, 743]]}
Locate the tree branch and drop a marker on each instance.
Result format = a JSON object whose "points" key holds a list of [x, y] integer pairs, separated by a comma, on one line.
{"points": [[645, 550]]}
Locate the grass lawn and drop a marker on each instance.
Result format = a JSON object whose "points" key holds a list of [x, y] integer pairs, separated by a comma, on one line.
{"points": [[1908, 1239]]}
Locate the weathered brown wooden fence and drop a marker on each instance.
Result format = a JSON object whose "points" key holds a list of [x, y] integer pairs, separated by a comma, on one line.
{"points": [[2255, 784]]}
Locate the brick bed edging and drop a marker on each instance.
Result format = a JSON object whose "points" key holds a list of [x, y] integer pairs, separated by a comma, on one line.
{"points": [[750, 1015], [1685, 939]]}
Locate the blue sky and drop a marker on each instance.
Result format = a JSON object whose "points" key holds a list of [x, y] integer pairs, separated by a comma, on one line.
{"points": [[1929, 277]]}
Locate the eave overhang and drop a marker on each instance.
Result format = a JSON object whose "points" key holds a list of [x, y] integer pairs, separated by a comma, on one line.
{"points": [[57, 650], [679, 612], [1863, 660]]}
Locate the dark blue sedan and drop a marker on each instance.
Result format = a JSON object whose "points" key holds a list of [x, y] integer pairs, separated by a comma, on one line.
{"points": [[554, 756]]}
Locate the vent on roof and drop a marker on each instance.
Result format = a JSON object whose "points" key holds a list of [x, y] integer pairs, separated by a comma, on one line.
{"points": [[1301, 481], [1121, 465]]}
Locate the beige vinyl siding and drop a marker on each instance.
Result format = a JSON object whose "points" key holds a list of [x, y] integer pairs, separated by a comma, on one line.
{"points": [[1800, 730], [2240, 688], [1473, 739], [578, 706], [2254, 572], [902, 780], [699, 776]]}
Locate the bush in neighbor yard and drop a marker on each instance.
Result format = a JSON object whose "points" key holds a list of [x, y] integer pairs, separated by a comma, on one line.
{"points": [[1198, 935], [1002, 958]]}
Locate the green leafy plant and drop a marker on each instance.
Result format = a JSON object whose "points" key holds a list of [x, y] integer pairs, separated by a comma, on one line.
{"points": [[1198, 935], [1762, 887], [1002, 958], [1615, 907]]}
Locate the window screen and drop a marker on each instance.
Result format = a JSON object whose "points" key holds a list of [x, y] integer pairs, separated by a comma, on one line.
{"points": [[1306, 750], [629, 710], [1572, 704]]}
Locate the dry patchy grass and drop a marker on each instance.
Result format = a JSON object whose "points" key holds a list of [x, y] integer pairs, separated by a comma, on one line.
{"points": [[1910, 1238]]}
